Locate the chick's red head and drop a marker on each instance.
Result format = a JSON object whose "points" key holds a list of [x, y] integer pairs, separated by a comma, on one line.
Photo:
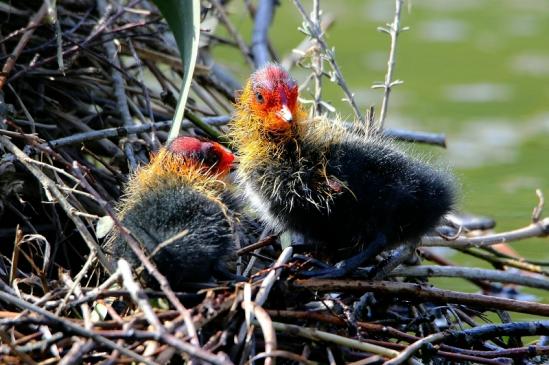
{"points": [[272, 97], [211, 154]]}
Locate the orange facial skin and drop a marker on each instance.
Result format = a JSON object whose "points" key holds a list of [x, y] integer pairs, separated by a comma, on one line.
{"points": [[268, 104], [273, 98], [266, 112]]}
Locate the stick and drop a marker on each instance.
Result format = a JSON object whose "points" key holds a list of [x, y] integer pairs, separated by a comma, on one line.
{"points": [[313, 30], [68, 325], [51, 187], [269, 280], [472, 273], [317, 335], [233, 32], [124, 131], [119, 86], [262, 21], [31, 27], [417, 292], [471, 335], [538, 229], [393, 31]]}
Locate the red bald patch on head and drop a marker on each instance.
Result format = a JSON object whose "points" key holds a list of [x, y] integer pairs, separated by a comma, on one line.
{"points": [[271, 76], [185, 145], [211, 155]]}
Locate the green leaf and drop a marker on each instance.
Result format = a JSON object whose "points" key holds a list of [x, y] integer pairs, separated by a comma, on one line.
{"points": [[183, 17]]}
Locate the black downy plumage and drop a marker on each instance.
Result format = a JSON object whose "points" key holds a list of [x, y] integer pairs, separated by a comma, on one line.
{"points": [[333, 184], [173, 208]]}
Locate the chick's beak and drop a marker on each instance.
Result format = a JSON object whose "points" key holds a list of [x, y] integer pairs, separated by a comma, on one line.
{"points": [[285, 114]]}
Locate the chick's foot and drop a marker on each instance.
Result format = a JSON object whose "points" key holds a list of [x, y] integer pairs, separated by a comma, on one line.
{"points": [[349, 265], [404, 253]]}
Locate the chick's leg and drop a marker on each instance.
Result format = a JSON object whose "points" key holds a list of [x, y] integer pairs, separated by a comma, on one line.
{"points": [[347, 266]]}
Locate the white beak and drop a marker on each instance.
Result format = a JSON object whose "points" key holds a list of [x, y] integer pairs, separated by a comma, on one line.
{"points": [[285, 114]]}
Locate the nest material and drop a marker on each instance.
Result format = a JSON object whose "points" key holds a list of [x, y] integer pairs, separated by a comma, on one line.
{"points": [[88, 92]]}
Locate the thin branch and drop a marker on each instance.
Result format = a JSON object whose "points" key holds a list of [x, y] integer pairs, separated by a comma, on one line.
{"points": [[51, 187], [317, 335], [393, 31], [124, 131], [119, 86], [269, 281], [413, 348], [314, 31], [67, 325], [293, 57], [538, 210], [317, 62], [267, 328], [435, 139], [417, 292], [139, 297], [538, 229], [502, 261], [472, 273], [31, 27], [224, 18], [473, 334]]}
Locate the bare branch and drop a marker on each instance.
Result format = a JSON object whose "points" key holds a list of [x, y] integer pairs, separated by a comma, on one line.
{"points": [[314, 31], [393, 31]]}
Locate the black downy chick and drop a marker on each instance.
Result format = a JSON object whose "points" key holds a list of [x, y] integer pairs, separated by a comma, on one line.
{"points": [[348, 191], [173, 207]]}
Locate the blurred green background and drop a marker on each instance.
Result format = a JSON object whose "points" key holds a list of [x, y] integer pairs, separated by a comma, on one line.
{"points": [[475, 70]]}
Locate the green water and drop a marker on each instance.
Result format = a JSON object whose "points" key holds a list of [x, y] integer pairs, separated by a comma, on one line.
{"points": [[475, 70]]}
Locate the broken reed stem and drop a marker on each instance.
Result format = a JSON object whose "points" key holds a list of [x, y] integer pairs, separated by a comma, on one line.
{"points": [[393, 31]]}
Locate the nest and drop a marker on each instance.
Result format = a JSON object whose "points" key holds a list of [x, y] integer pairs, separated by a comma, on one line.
{"points": [[88, 91]]}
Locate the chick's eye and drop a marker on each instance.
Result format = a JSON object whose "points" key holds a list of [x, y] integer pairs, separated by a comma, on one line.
{"points": [[259, 97], [211, 157]]}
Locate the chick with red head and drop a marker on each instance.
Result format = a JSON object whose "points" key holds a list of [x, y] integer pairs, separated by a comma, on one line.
{"points": [[334, 184], [173, 206]]}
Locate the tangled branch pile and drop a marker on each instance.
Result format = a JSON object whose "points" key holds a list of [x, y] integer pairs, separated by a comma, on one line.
{"points": [[88, 89]]}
